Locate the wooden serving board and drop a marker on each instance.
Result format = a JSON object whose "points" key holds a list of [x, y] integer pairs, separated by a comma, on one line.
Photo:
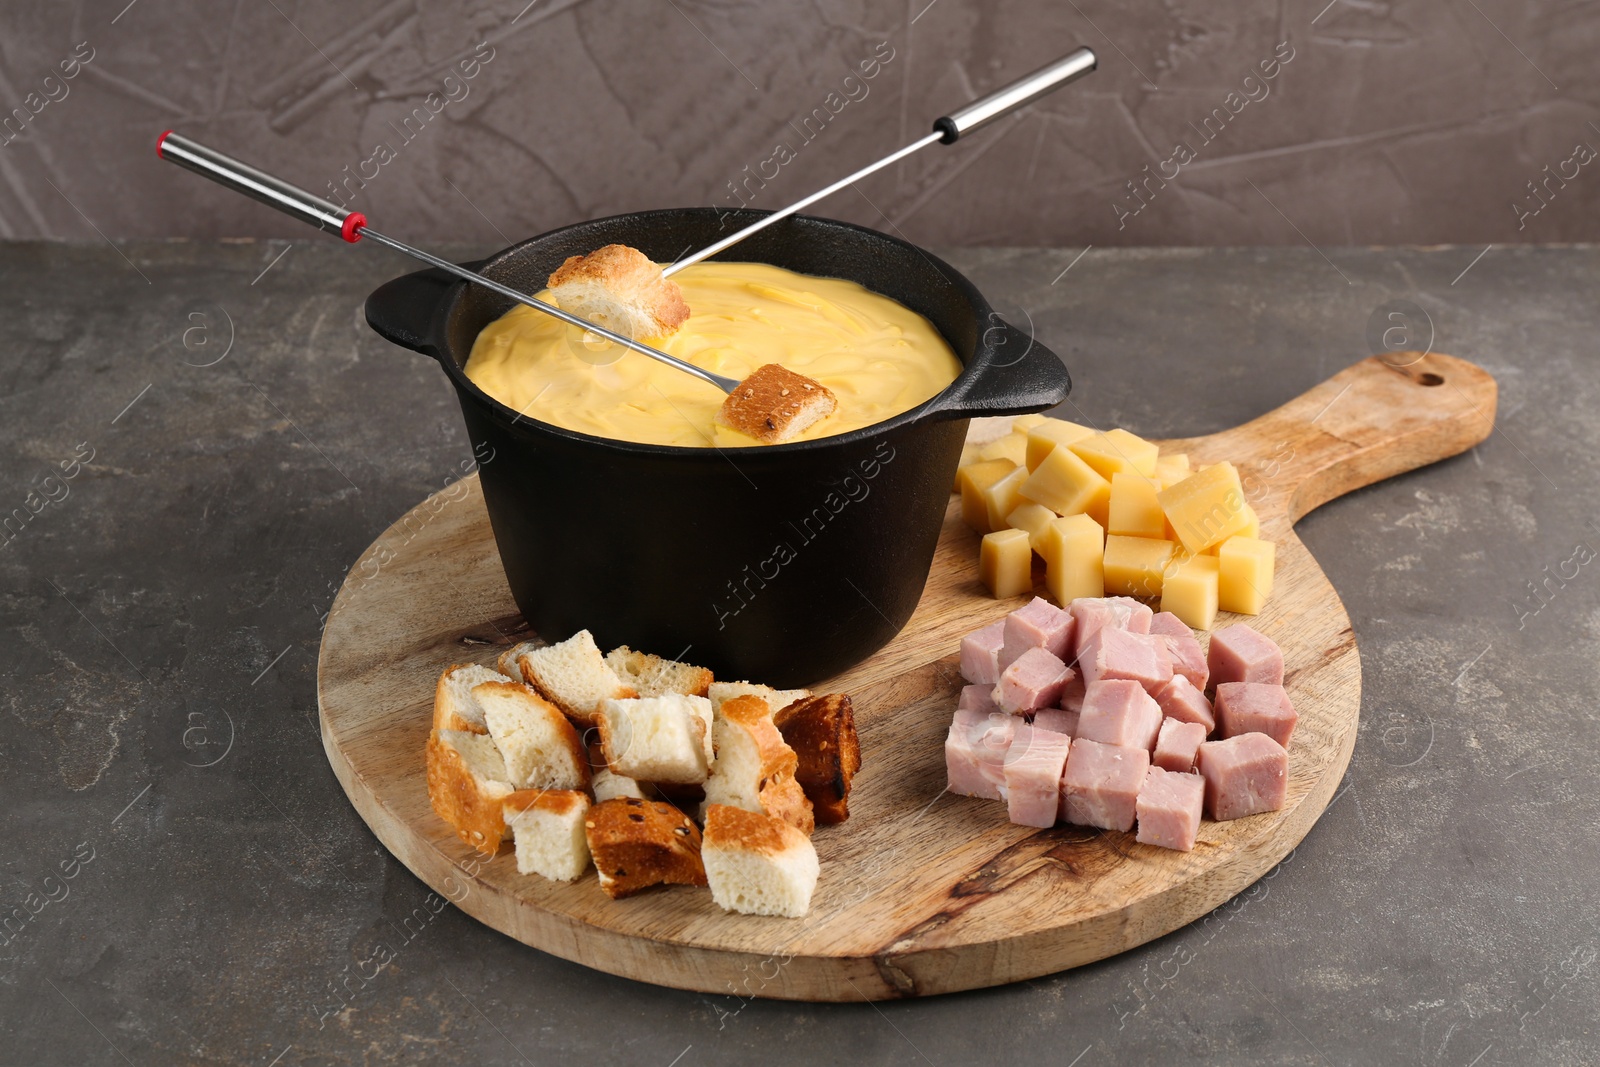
{"points": [[921, 891]]}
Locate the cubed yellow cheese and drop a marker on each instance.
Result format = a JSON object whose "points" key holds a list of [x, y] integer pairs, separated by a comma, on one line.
{"points": [[1023, 423], [1116, 450], [1073, 550], [1251, 528], [1013, 446], [972, 481], [1206, 507], [1134, 565], [1048, 434], [1034, 518], [1068, 486], [1171, 468], [1003, 497], [1134, 511], [1244, 574], [1190, 591], [1005, 563]]}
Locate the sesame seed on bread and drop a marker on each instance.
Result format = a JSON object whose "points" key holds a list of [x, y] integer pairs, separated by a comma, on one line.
{"points": [[774, 404]]}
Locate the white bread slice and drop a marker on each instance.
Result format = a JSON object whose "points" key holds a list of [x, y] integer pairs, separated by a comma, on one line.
{"points": [[608, 785], [758, 864], [572, 674], [777, 699], [541, 748], [453, 705], [619, 288], [658, 739], [467, 784], [547, 825], [652, 676]]}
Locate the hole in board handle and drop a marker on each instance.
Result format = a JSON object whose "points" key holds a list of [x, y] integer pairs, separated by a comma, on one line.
{"points": [[1429, 378]]}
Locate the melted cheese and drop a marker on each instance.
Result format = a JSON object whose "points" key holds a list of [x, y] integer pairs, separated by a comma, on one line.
{"points": [[878, 357]]}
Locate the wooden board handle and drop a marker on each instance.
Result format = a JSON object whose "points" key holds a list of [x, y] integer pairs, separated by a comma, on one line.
{"points": [[1369, 422]]}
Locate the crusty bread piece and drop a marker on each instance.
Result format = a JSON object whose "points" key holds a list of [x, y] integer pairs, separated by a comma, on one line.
{"points": [[782, 798], [822, 732], [619, 288], [540, 747], [467, 784], [755, 767], [653, 676], [547, 826], [453, 705], [777, 699], [658, 739], [573, 674], [757, 864], [775, 404], [509, 662], [608, 785], [640, 843]]}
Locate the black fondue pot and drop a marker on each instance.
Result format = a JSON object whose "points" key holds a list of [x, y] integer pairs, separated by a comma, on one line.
{"points": [[782, 564]]}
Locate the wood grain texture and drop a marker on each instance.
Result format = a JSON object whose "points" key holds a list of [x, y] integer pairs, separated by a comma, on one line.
{"points": [[921, 892]]}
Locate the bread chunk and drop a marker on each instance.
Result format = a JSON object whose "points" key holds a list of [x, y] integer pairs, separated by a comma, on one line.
{"points": [[653, 676], [658, 739], [755, 767], [540, 747], [547, 826], [822, 732], [757, 864], [608, 785], [454, 707], [572, 674], [775, 404], [640, 843], [776, 699], [620, 288], [467, 784]]}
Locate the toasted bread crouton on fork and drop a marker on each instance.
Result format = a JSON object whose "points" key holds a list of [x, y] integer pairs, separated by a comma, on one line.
{"points": [[619, 288], [774, 404]]}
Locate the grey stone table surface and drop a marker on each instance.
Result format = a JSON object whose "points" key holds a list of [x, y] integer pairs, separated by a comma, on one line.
{"points": [[196, 441]]}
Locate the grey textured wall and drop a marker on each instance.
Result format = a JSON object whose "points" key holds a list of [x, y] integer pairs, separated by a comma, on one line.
{"points": [[1383, 123]]}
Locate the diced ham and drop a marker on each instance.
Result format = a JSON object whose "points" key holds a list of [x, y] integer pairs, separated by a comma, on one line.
{"points": [[1169, 809], [1177, 745], [1113, 654], [1100, 786], [1119, 712], [1060, 720], [980, 654], [1034, 681], [1033, 767], [1165, 622], [1179, 699], [1091, 614], [1136, 615], [975, 753], [1072, 693], [1245, 774], [1040, 624], [1240, 654], [1255, 707], [977, 698]]}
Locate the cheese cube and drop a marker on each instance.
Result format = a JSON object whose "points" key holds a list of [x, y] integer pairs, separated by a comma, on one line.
{"points": [[1067, 485], [1172, 468], [973, 481], [1073, 549], [1023, 423], [1116, 450], [1252, 528], [1005, 563], [1043, 438], [1013, 446], [1003, 497], [1190, 591], [1206, 507], [1134, 565], [1134, 510], [1034, 518], [1244, 574]]}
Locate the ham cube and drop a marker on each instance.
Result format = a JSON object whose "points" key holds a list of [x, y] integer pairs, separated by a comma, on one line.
{"points": [[1136, 616], [1177, 745], [1033, 767], [977, 698], [1188, 659], [1119, 712], [1244, 775], [1117, 654], [1072, 693], [1165, 622], [980, 654], [1255, 707], [1240, 654], [1179, 699], [1169, 809], [1091, 614], [975, 753], [1034, 681], [1058, 720], [1100, 786], [1038, 625]]}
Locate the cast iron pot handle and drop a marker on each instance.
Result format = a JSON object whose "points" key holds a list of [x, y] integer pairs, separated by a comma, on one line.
{"points": [[1021, 376], [403, 310]]}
